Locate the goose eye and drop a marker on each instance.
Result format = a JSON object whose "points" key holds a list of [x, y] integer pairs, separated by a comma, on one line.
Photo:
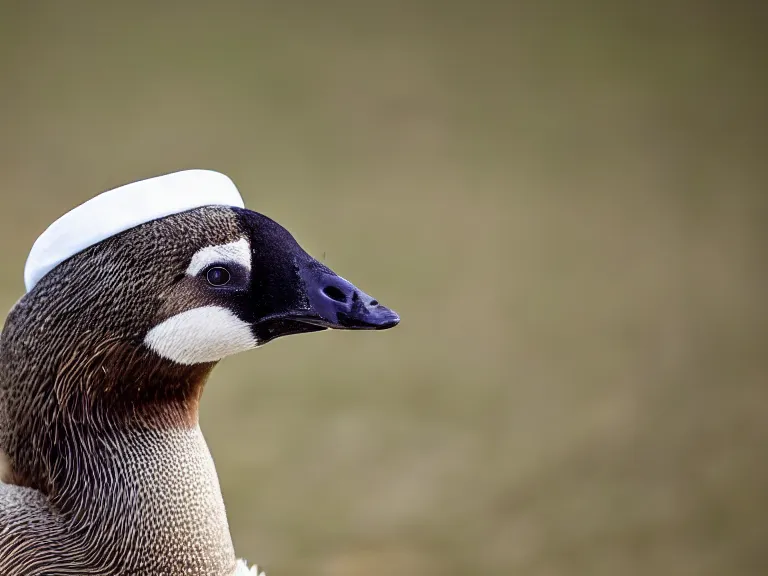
{"points": [[218, 276]]}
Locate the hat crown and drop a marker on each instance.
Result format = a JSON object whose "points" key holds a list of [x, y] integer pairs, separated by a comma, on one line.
{"points": [[123, 208]]}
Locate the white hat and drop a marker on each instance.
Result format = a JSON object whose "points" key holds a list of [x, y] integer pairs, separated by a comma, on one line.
{"points": [[123, 208]]}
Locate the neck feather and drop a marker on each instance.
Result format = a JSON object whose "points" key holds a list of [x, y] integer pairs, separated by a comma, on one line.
{"points": [[108, 433]]}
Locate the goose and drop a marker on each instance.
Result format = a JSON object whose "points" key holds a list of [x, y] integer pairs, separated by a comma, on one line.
{"points": [[132, 299]]}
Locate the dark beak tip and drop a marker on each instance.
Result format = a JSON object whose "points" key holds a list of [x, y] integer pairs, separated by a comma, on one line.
{"points": [[387, 321], [378, 318]]}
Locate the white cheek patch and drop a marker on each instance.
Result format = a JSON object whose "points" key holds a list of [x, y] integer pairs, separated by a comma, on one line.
{"points": [[201, 335], [235, 253]]}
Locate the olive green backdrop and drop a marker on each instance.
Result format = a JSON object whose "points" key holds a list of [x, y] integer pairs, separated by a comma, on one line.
{"points": [[565, 201]]}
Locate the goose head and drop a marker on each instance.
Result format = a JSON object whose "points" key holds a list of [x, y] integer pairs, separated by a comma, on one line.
{"points": [[134, 296], [193, 286]]}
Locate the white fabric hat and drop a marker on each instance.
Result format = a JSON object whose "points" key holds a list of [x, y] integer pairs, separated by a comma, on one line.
{"points": [[123, 208]]}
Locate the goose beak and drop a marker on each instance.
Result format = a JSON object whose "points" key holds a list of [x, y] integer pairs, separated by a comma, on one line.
{"points": [[337, 303], [292, 293], [320, 299]]}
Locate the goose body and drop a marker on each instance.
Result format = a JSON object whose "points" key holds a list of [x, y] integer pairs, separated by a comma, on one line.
{"points": [[132, 300]]}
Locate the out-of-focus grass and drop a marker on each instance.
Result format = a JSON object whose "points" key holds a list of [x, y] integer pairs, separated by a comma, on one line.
{"points": [[566, 203]]}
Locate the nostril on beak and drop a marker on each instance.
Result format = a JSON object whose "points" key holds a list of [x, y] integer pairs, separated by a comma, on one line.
{"points": [[374, 302], [335, 293]]}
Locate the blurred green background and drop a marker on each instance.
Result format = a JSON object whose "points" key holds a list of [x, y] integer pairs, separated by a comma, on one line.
{"points": [[566, 202]]}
